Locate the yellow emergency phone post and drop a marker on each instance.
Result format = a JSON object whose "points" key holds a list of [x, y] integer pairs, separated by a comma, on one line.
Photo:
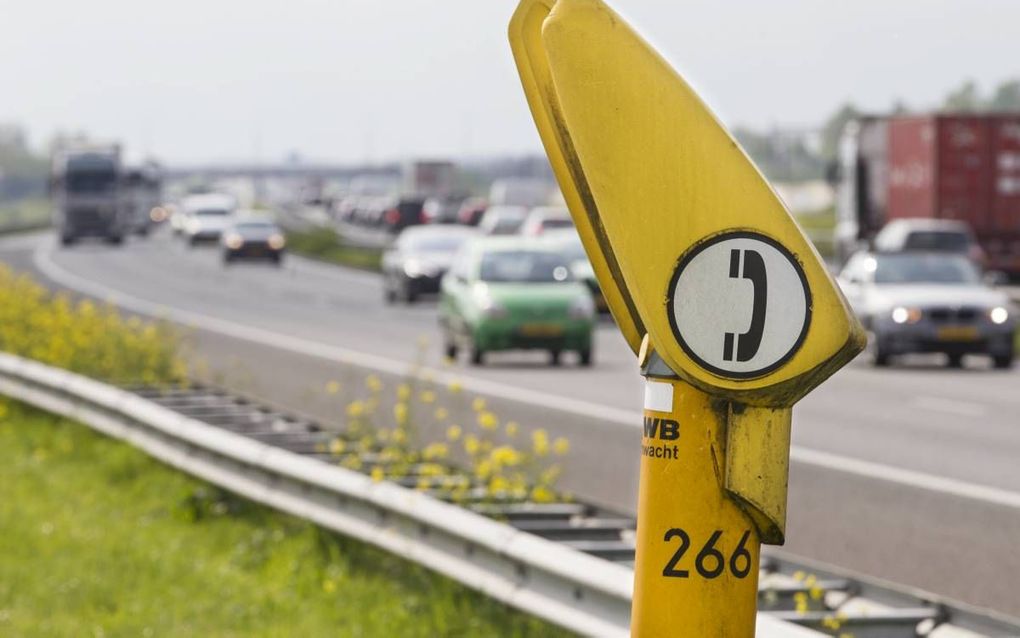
{"points": [[726, 303]]}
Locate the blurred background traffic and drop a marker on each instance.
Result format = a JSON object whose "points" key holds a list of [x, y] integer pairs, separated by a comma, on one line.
{"points": [[318, 191]]}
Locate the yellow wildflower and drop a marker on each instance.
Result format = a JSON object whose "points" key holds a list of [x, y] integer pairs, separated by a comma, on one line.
{"points": [[441, 414], [378, 474], [400, 413], [505, 455], [355, 409], [337, 446], [478, 404], [488, 421], [561, 446], [332, 387], [427, 396], [435, 451], [511, 428], [542, 494], [471, 444], [403, 392], [373, 382], [453, 432], [454, 386], [540, 442]]}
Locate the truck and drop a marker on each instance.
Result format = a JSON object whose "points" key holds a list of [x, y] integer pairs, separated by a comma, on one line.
{"points": [[962, 167], [429, 178], [85, 189], [141, 193]]}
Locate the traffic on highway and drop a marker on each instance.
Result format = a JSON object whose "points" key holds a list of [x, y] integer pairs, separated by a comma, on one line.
{"points": [[632, 367]]}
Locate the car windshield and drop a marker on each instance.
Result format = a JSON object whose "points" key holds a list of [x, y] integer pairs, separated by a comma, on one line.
{"points": [[557, 222], [573, 251], [924, 269], [436, 244], [255, 227], [523, 266], [937, 240], [91, 182]]}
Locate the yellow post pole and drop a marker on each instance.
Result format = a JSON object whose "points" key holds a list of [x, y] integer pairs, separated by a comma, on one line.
{"points": [[696, 568], [729, 308]]}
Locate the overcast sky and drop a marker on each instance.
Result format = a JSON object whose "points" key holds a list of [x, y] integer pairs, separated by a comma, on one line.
{"points": [[354, 80]]}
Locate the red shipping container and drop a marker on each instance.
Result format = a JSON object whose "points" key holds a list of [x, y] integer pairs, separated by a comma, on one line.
{"points": [[964, 167]]}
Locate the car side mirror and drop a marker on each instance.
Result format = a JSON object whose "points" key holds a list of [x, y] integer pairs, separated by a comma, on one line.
{"points": [[996, 278]]}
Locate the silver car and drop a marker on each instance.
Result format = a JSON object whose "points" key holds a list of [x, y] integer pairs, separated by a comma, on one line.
{"points": [[929, 302]]}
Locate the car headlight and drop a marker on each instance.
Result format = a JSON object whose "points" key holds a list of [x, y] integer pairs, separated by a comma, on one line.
{"points": [[276, 241], [413, 268], [490, 308], [233, 241], [906, 315], [998, 315], [582, 308]]}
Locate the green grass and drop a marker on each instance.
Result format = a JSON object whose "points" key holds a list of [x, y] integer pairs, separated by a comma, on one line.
{"points": [[24, 215], [819, 227], [98, 539], [324, 244]]}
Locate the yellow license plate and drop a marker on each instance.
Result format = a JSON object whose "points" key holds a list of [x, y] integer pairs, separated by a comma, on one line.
{"points": [[541, 330], [958, 333]]}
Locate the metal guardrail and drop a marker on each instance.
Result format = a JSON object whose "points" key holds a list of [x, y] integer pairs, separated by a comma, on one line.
{"points": [[568, 563]]}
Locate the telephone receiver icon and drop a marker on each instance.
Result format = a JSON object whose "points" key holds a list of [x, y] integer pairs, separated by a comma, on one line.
{"points": [[747, 343]]}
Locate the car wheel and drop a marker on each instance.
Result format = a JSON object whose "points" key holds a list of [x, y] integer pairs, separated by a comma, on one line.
{"points": [[477, 355], [227, 260], [66, 240], [410, 296], [956, 361], [586, 357], [388, 295], [114, 240], [450, 349], [555, 356], [1003, 361], [880, 356]]}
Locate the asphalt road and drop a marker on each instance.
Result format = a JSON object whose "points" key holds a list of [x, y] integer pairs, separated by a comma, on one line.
{"points": [[910, 474]]}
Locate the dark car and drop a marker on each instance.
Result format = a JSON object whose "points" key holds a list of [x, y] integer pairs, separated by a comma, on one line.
{"points": [[443, 210], [255, 239], [398, 213], [471, 210], [419, 257]]}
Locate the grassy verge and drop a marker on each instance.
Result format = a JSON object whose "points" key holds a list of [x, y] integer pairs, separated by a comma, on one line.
{"points": [[819, 227], [98, 539], [24, 215], [324, 244]]}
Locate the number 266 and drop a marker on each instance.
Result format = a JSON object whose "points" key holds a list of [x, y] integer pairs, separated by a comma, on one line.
{"points": [[710, 561]]}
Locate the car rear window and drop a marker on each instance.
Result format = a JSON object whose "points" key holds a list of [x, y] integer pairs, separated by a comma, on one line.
{"points": [[905, 268], [937, 240], [211, 212], [558, 222], [523, 266]]}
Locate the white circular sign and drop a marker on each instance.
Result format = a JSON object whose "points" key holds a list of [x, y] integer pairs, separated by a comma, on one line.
{"points": [[739, 304]]}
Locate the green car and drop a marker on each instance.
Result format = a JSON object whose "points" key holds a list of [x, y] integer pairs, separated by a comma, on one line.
{"points": [[514, 294]]}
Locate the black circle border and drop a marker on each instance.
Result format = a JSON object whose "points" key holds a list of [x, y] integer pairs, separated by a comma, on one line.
{"points": [[693, 252]]}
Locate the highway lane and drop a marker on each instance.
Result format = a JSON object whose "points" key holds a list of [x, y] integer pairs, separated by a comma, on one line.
{"points": [[956, 424]]}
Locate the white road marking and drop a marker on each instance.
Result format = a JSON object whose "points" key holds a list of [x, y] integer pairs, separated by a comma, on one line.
{"points": [[949, 406], [920, 480], [929, 482]]}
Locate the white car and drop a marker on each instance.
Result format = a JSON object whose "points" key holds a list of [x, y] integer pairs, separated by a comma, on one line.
{"points": [[545, 218], [207, 216], [911, 302]]}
